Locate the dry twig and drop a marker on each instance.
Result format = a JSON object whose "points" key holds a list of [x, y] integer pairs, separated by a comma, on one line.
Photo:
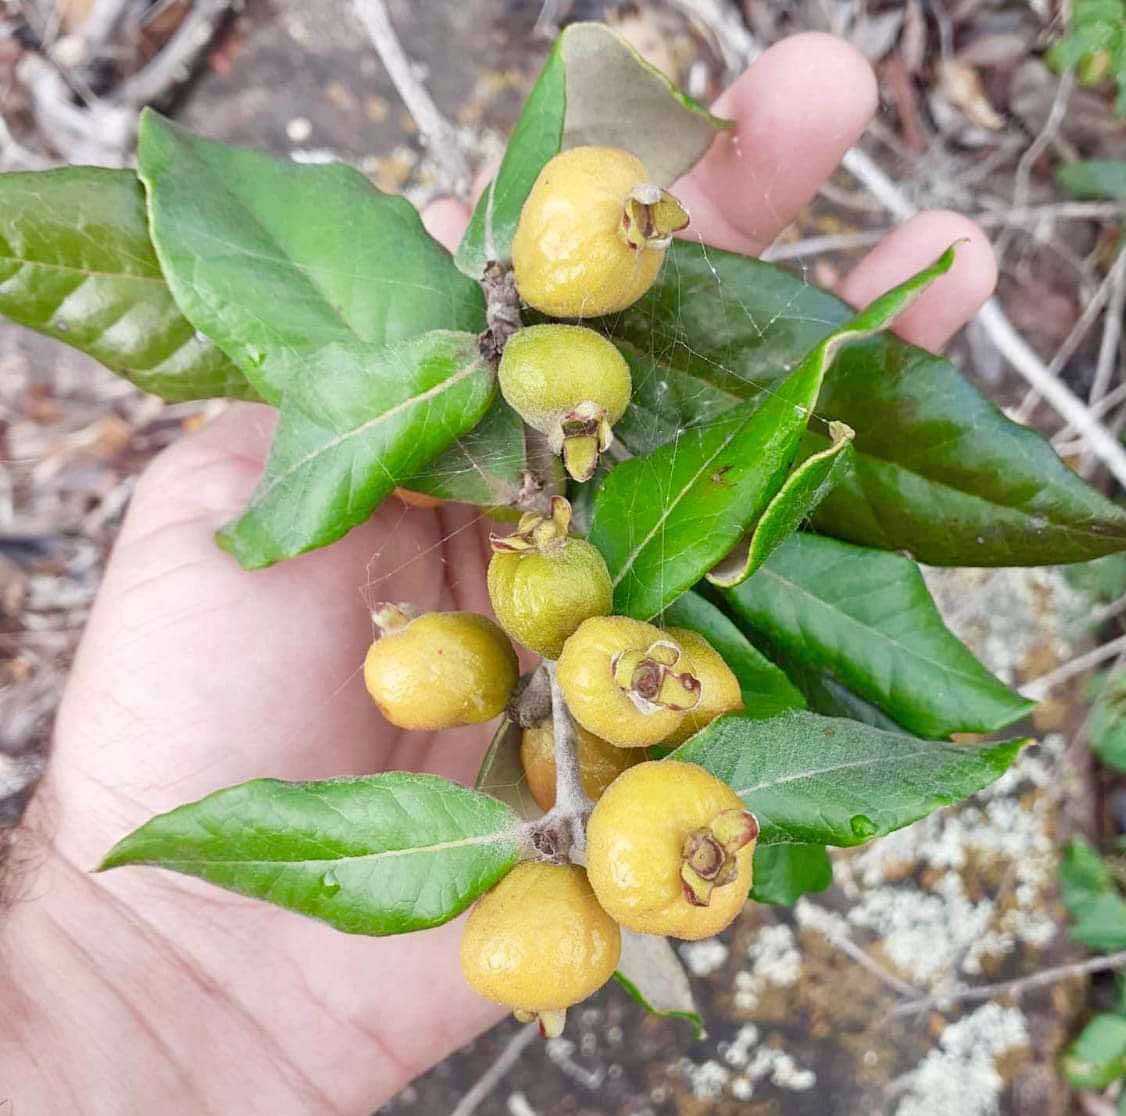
{"points": [[976, 993], [438, 134], [1038, 688], [493, 1076]]}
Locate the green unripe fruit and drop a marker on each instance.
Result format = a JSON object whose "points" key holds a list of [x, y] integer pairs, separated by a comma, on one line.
{"points": [[544, 582], [569, 383]]}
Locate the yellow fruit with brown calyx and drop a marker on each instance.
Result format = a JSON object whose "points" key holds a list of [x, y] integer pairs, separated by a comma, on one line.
{"points": [[626, 681], [438, 669], [539, 942], [720, 691], [670, 849], [592, 234]]}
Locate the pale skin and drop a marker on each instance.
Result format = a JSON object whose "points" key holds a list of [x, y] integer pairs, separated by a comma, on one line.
{"points": [[140, 991]]}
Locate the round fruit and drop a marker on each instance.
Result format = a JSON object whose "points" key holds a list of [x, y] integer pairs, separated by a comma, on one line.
{"points": [[624, 680], [543, 582], [539, 942], [592, 233], [439, 669], [720, 691], [600, 763], [569, 383], [669, 850]]}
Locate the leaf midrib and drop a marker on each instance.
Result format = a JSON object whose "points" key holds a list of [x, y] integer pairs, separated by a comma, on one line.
{"points": [[384, 416], [869, 762], [498, 838]]}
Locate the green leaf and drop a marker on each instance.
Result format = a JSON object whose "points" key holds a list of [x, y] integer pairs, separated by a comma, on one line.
{"points": [[703, 490], [1093, 178], [594, 89], [275, 261], [939, 471], [77, 265], [1107, 726], [381, 854], [1104, 579], [1098, 1056], [766, 689], [816, 780], [1090, 894], [485, 466], [368, 418], [795, 502], [867, 617], [653, 976], [784, 873], [502, 773]]}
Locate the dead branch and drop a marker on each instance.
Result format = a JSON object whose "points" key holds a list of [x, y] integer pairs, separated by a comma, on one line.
{"points": [[438, 134], [493, 1076]]}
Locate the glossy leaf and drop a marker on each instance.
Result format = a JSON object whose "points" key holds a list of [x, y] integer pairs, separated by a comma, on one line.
{"points": [[867, 617], [1097, 1056], [594, 89], [485, 466], [368, 418], [1093, 178], [825, 781], [653, 975], [76, 264], [1092, 898], [795, 502], [766, 689], [699, 494], [784, 873], [274, 261], [939, 471], [381, 854]]}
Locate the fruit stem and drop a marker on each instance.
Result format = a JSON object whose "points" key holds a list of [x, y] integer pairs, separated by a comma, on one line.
{"points": [[570, 798]]}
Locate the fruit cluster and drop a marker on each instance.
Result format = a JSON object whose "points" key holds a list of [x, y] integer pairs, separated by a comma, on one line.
{"points": [[668, 847]]}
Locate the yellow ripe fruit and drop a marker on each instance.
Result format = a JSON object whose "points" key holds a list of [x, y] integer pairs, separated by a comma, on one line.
{"points": [[539, 942], [636, 850], [592, 234], [600, 763], [543, 582], [625, 681], [440, 669], [720, 691]]}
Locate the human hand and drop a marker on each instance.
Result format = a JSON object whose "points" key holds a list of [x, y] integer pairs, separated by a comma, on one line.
{"points": [[148, 991]]}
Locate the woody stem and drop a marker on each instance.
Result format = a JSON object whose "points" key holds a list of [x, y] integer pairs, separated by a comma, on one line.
{"points": [[570, 798]]}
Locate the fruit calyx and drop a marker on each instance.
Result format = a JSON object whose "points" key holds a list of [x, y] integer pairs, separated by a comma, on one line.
{"points": [[390, 616], [585, 433], [650, 216], [551, 1022], [651, 683], [708, 854], [545, 534]]}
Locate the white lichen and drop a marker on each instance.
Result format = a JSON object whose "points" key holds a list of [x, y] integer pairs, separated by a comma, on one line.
{"points": [[705, 957], [960, 1076]]}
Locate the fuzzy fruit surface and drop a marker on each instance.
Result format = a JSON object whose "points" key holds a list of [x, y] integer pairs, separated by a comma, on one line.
{"points": [[596, 701], [568, 253], [539, 941], [600, 763], [720, 691], [540, 598], [440, 670], [635, 838], [547, 371]]}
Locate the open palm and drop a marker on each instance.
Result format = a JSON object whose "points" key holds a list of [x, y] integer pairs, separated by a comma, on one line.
{"points": [[194, 675]]}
